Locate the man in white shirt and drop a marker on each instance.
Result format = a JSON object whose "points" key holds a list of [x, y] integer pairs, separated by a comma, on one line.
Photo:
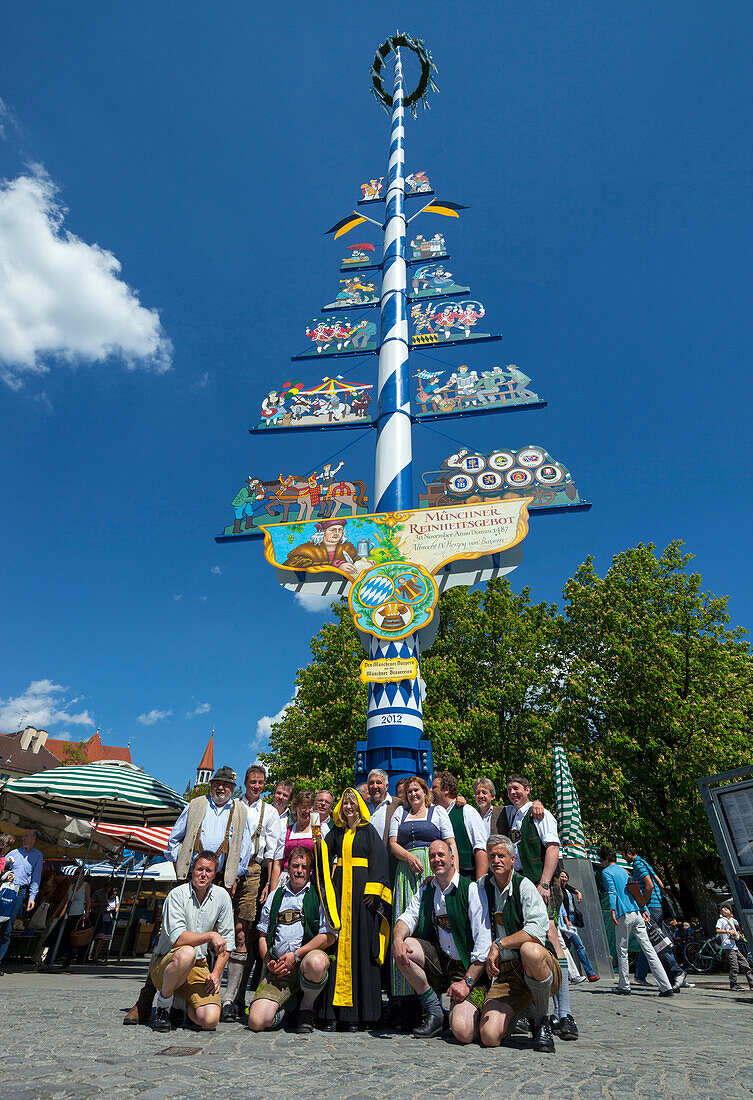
{"points": [[196, 915], [521, 968], [380, 802], [470, 834], [448, 950], [294, 949], [537, 853], [323, 804], [253, 885]]}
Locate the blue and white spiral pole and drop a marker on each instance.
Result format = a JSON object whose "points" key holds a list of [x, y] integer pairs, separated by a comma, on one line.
{"points": [[393, 488], [394, 723]]}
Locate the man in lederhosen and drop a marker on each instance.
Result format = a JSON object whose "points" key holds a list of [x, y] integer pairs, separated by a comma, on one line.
{"points": [[251, 889], [215, 823], [440, 944]]}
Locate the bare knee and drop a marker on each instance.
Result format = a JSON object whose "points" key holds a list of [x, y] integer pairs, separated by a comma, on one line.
{"points": [[184, 958], [207, 1016], [240, 936], [315, 966], [535, 960], [491, 1034]]}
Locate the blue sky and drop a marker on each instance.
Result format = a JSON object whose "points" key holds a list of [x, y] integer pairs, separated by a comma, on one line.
{"points": [[168, 177]]}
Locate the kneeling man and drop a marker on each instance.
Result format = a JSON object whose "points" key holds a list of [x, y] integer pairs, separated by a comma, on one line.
{"points": [[521, 968], [448, 949], [293, 938], [196, 915]]}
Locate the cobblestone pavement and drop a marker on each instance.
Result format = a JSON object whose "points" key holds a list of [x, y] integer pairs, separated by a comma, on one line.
{"points": [[63, 1038]]}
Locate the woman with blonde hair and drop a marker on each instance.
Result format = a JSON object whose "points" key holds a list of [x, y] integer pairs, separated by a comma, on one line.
{"points": [[412, 829], [359, 891]]}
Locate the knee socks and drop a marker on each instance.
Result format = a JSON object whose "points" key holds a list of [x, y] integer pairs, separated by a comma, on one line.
{"points": [[540, 992], [311, 991], [235, 969], [431, 1003], [562, 999]]}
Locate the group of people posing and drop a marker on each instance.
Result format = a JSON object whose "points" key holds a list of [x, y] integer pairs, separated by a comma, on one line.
{"points": [[418, 894]]}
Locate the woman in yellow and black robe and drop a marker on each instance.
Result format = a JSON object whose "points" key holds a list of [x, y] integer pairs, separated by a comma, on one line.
{"points": [[361, 892]]}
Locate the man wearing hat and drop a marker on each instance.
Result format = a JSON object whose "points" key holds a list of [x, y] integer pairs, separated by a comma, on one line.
{"points": [[217, 823], [327, 546]]}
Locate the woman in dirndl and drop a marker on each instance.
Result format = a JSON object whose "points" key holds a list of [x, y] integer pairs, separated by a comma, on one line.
{"points": [[412, 830], [300, 834]]}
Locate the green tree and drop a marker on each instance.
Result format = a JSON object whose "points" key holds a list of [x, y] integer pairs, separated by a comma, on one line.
{"points": [[656, 690], [74, 752], [490, 682]]}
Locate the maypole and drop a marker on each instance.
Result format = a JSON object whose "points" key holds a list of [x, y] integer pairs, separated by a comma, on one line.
{"points": [[394, 721], [393, 560]]}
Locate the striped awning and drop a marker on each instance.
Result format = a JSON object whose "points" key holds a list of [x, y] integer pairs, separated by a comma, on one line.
{"points": [[135, 838], [572, 836], [121, 794]]}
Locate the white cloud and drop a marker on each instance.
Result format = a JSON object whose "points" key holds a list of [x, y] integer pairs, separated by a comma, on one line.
{"points": [[264, 726], [202, 708], [178, 597], [62, 299], [43, 705], [153, 716], [309, 601], [216, 570]]}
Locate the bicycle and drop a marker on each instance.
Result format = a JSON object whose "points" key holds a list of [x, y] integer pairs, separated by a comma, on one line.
{"points": [[702, 957]]}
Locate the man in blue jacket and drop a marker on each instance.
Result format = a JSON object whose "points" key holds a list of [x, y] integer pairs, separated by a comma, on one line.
{"points": [[628, 918], [651, 887]]}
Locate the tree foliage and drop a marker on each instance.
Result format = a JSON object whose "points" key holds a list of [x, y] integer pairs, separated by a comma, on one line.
{"points": [[641, 677], [74, 752], [656, 691]]}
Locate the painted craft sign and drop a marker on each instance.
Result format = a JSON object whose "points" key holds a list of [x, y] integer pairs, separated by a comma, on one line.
{"points": [[320, 496], [393, 600], [529, 474], [361, 546], [355, 291], [388, 670], [416, 183], [333, 401], [434, 281], [433, 249], [359, 255], [442, 391], [340, 337], [446, 322]]}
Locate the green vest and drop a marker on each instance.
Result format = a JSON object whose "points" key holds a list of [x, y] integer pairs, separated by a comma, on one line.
{"points": [[465, 848], [310, 915], [531, 850], [512, 914], [457, 911]]}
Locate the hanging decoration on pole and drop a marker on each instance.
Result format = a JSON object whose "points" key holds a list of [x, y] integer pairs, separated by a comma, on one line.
{"points": [[464, 392], [332, 403]]}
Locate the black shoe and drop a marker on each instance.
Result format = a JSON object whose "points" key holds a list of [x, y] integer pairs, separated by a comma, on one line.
{"points": [[554, 1024], [519, 1029], [543, 1043], [348, 1028], [568, 1029], [177, 1018], [328, 1025], [430, 1027], [305, 1022], [736, 989], [161, 1020], [667, 993], [229, 1013]]}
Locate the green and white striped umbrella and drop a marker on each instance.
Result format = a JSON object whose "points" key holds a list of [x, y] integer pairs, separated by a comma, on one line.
{"points": [[572, 837], [120, 794]]}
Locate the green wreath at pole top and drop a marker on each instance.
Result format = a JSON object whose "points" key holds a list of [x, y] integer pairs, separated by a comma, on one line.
{"points": [[425, 82]]}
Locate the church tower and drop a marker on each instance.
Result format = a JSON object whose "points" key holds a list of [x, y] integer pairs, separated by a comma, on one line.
{"points": [[205, 770]]}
